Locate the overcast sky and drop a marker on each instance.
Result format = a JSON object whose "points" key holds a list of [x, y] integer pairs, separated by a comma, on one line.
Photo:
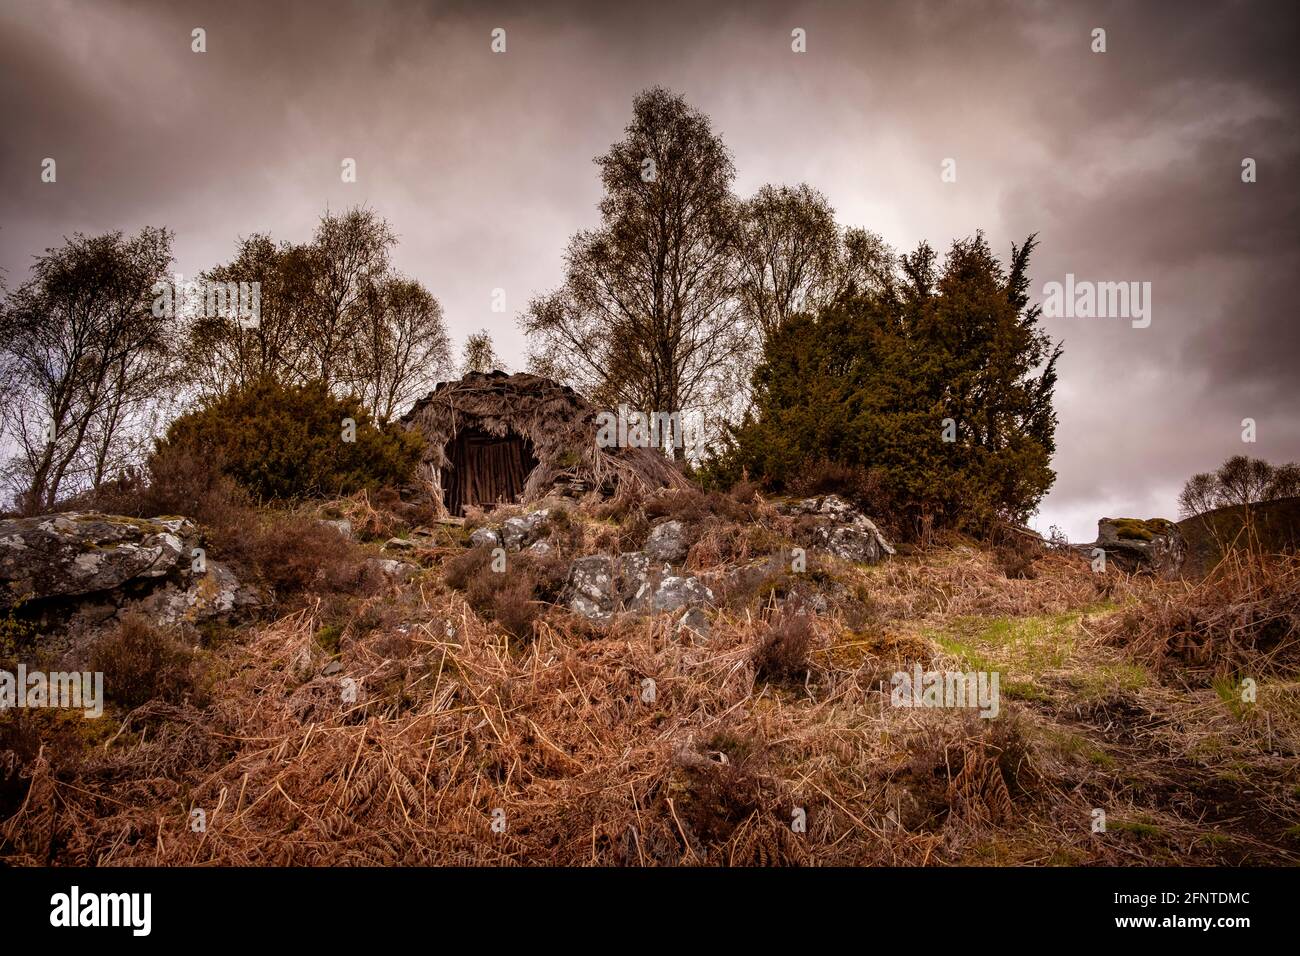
{"points": [[1126, 163]]}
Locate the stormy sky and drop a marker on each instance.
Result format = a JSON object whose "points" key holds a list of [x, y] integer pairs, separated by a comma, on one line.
{"points": [[1127, 164]]}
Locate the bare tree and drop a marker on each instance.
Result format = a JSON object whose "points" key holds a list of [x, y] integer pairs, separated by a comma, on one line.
{"points": [[348, 256], [1243, 480], [225, 350], [866, 263], [548, 366], [788, 256], [85, 352], [10, 369], [1285, 482], [479, 354], [792, 257], [401, 349], [1239, 481], [1199, 495], [331, 309], [645, 315]]}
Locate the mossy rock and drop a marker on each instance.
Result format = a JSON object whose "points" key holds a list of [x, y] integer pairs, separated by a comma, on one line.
{"points": [[1138, 529]]}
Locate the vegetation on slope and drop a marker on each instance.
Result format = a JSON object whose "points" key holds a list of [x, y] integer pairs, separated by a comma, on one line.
{"points": [[460, 719]]}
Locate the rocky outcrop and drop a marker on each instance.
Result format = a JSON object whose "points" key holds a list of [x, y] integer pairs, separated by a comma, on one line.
{"points": [[213, 594], [86, 569], [76, 554], [1132, 544], [400, 571], [840, 529], [342, 525], [601, 586], [412, 543], [513, 534]]}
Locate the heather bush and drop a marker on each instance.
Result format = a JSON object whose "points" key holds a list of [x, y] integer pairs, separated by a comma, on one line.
{"points": [[142, 662], [784, 649], [516, 597]]}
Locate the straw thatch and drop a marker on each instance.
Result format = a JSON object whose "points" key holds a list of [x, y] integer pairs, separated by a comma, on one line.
{"points": [[558, 426]]}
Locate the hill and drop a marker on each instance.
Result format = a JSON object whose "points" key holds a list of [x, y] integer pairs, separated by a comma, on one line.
{"points": [[1272, 526], [666, 679]]}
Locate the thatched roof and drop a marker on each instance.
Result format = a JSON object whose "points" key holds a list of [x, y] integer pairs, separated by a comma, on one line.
{"points": [[558, 422]]}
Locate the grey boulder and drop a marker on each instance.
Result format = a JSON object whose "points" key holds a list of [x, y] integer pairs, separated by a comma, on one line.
{"points": [[513, 534], [601, 586], [74, 554], [517, 533], [841, 530], [1155, 545], [667, 542], [83, 569]]}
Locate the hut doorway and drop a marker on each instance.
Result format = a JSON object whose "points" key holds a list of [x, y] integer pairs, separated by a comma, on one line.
{"points": [[486, 469]]}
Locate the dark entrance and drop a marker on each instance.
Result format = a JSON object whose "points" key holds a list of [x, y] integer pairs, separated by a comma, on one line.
{"points": [[486, 469]]}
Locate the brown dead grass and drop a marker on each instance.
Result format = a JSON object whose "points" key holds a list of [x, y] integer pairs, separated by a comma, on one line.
{"points": [[559, 738], [638, 745], [1244, 617]]}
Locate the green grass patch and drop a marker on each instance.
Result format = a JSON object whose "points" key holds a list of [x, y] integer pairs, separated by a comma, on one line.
{"points": [[1070, 744], [1023, 646], [1139, 828], [1229, 690], [1108, 679], [329, 636], [1025, 690]]}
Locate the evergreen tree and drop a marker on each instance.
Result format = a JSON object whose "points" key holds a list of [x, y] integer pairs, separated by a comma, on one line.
{"points": [[938, 387]]}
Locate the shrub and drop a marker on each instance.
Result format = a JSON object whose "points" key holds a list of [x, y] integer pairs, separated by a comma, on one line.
{"points": [[283, 441], [141, 662], [1242, 619], [514, 598], [627, 501], [746, 491], [412, 514], [14, 633], [1014, 562], [784, 650], [694, 507], [328, 637], [294, 553], [1014, 551], [564, 533], [460, 569], [512, 605], [21, 740], [720, 792], [175, 482], [181, 483]]}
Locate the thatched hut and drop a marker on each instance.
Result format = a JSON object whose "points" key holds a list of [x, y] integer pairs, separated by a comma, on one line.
{"points": [[492, 438]]}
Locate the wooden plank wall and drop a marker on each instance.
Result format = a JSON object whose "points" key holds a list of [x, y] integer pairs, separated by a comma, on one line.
{"points": [[486, 470]]}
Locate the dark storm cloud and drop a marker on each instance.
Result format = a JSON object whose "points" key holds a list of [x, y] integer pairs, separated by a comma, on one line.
{"points": [[1127, 164]]}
